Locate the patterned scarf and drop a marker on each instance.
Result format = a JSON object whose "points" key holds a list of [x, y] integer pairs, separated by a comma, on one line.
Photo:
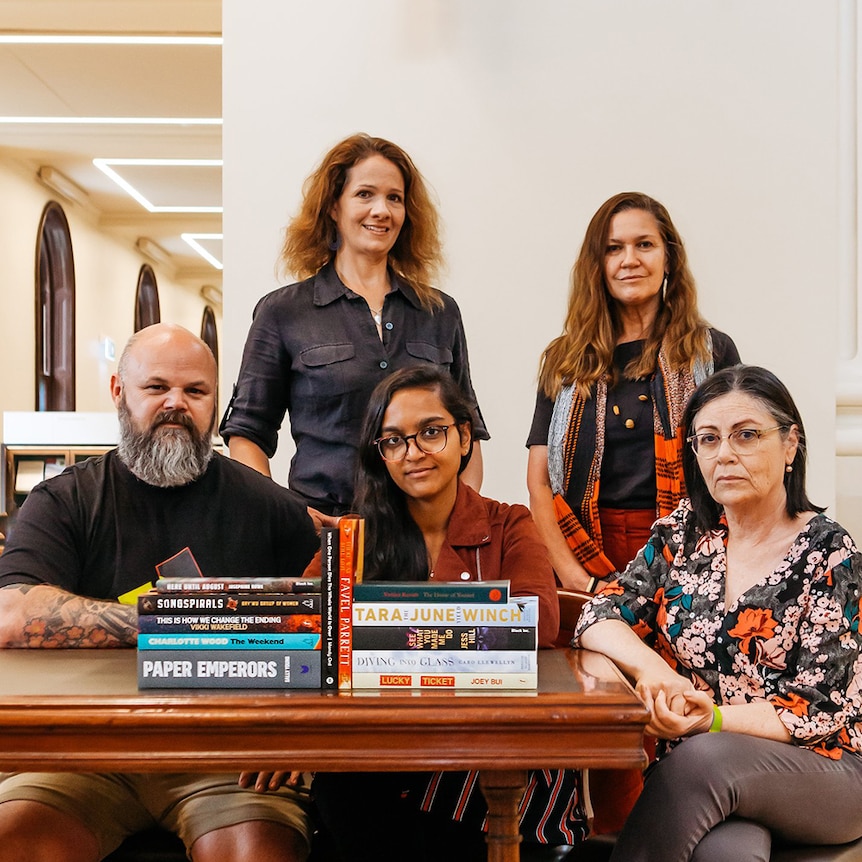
{"points": [[576, 442]]}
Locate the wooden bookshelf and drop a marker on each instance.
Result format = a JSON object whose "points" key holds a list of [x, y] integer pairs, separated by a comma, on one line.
{"points": [[26, 465]]}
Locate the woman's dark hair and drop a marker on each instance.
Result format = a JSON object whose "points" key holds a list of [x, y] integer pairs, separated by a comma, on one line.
{"points": [[394, 546], [765, 388]]}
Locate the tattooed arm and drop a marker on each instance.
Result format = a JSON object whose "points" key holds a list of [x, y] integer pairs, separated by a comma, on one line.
{"points": [[38, 616]]}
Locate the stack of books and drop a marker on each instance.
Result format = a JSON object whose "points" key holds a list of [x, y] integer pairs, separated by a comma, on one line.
{"points": [[443, 635], [220, 633]]}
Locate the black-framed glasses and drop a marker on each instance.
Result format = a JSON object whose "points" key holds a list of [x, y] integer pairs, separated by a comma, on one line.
{"points": [[429, 440], [743, 441]]}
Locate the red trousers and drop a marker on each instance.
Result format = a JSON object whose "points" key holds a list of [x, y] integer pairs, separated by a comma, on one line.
{"points": [[613, 792]]}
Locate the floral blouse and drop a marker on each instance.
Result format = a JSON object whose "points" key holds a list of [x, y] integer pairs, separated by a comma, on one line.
{"points": [[792, 639]]}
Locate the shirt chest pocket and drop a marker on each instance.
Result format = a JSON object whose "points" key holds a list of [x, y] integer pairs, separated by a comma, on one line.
{"points": [[325, 370], [427, 352]]}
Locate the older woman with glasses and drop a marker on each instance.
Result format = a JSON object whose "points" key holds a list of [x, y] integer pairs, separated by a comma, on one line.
{"points": [[739, 624], [423, 523]]}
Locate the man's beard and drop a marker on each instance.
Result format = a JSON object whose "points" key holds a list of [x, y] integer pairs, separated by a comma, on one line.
{"points": [[163, 456]]}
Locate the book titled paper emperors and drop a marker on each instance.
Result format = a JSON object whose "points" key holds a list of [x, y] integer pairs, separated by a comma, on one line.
{"points": [[240, 668]]}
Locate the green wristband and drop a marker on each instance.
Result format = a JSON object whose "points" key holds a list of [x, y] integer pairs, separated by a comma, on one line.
{"points": [[715, 727]]}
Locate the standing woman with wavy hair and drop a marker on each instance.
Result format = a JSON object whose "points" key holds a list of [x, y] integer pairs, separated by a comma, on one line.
{"points": [[366, 242], [607, 436]]}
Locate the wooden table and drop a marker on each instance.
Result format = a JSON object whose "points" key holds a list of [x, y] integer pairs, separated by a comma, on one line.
{"points": [[80, 710]]}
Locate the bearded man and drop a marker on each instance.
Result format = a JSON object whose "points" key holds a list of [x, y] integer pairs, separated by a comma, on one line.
{"points": [[81, 549]]}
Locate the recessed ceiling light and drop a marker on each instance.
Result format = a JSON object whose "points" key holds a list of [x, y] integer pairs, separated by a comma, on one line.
{"points": [[114, 121], [99, 39], [104, 165], [192, 240]]}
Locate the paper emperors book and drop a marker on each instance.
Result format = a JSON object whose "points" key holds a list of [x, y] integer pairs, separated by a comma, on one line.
{"points": [[240, 668]]}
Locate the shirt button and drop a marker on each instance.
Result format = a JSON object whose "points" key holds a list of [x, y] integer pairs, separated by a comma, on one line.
{"points": [[465, 576], [384, 364], [388, 324]]}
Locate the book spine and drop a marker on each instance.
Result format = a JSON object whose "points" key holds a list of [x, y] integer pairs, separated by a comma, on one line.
{"points": [[229, 603], [523, 611], [346, 580], [217, 642], [247, 585], [444, 638], [489, 592], [444, 681], [445, 661], [226, 623], [229, 669], [329, 609]]}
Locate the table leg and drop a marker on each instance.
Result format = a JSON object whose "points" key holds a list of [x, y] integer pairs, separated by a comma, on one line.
{"points": [[503, 791]]}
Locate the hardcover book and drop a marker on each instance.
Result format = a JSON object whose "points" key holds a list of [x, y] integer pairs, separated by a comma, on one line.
{"points": [[229, 641], [329, 611], [431, 591], [240, 668], [229, 603], [238, 585], [444, 637], [182, 623], [486, 681], [351, 554], [445, 661], [521, 611]]}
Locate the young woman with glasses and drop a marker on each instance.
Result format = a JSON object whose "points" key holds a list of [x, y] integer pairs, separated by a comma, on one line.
{"points": [[424, 523], [739, 624]]}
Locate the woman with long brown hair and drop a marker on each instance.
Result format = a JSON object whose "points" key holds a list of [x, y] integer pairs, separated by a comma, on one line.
{"points": [[366, 242], [605, 445], [607, 436]]}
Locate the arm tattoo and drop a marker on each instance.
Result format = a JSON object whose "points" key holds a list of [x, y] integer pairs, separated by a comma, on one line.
{"points": [[61, 620]]}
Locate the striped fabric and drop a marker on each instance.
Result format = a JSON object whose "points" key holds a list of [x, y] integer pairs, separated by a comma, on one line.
{"points": [[552, 809], [671, 390]]}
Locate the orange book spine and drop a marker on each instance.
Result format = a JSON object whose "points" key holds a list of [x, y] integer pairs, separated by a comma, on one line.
{"points": [[346, 569]]}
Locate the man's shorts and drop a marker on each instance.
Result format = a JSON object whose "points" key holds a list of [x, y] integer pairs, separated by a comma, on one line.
{"points": [[115, 805]]}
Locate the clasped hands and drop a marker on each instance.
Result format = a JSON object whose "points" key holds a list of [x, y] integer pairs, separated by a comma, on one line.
{"points": [[676, 707]]}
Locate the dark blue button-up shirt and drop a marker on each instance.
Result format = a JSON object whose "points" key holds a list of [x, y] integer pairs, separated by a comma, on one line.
{"points": [[313, 351]]}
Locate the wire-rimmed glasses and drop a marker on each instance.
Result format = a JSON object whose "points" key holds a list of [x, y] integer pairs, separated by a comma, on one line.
{"points": [[743, 441]]}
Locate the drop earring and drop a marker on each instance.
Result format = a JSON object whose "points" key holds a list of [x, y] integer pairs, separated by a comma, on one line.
{"points": [[788, 468], [664, 288]]}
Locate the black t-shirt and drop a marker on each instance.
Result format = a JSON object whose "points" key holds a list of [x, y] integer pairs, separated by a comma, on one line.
{"points": [[627, 479], [96, 530]]}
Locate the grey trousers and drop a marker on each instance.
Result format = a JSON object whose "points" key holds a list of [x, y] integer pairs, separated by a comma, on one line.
{"points": [[725, 796]]}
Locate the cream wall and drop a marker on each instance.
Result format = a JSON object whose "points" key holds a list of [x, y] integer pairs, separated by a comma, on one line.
{"points": [[106, 275], [525, 117]]}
